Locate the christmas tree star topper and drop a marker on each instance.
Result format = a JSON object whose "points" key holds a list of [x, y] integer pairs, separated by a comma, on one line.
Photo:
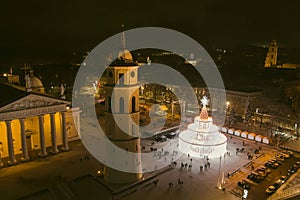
{"points": [[204, 101]]}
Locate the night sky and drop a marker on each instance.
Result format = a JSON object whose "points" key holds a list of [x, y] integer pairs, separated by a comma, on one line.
{"points": [[52, 29]]}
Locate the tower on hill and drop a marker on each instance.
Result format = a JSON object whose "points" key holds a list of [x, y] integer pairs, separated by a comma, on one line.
{"points": [[271, 58]]}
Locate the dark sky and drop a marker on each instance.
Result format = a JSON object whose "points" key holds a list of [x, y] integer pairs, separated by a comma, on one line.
{"points": [[50, 29]]}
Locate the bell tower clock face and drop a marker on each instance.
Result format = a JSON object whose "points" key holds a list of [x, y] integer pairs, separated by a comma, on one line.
{"points": [[132, 74]]}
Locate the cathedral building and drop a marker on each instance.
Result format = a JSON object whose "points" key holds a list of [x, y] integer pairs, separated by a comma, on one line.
{"points": [[33, 124]]}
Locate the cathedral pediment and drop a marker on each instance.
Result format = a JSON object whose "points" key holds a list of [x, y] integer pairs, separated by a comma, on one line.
{"points": [[32, 101]]}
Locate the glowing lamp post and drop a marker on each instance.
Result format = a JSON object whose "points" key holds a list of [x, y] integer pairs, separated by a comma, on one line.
{"points": [[227, 104], [221, 173], [227, 108]]}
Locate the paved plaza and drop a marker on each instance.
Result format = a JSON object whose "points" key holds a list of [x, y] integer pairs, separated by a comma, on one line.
{"points": [[73, 175]]}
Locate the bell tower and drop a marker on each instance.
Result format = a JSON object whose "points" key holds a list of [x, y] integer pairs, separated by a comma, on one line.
{"points": [[122, 108], [271, 58]]}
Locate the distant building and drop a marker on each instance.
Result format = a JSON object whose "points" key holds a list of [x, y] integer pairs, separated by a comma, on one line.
{"points": [[237, 100], [10, 78], [289, 66], [271, 60]]}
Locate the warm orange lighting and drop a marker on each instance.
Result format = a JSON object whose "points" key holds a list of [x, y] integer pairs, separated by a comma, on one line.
{"points": [[227, 103]]}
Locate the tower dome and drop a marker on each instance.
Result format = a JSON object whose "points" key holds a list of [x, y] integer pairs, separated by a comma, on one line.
{"points": [[125, 55], [125, 58], [33, 83]]}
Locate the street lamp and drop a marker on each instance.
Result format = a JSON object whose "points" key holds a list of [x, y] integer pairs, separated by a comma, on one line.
{"points": [[142, 89], [221, 175], [227, 108], [219, 184], [227, 104]]}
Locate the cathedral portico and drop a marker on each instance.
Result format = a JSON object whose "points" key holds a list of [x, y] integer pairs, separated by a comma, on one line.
{"points": [[35, 124]]}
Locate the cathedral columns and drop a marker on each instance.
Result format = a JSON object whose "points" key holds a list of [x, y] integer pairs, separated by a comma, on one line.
{"points": [[11, 150], [42, 135], [64, 132], [53, 133], [23, 140]]}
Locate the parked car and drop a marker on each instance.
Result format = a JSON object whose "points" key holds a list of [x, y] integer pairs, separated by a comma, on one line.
{"points": [[280, 158], [292, 170], [270, 190], [279, 162], [278, 183], [290, 153], [285, 155], [244, 184], [269, 163], [283, 178], [255, 177], [264, 169], [296, 166], [161, 138], [274, 165], [261, 173], [171, 135]]}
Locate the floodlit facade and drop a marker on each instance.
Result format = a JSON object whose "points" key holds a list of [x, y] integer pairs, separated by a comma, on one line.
{"points": [[33, 124], [271, 58], [122, 105]]}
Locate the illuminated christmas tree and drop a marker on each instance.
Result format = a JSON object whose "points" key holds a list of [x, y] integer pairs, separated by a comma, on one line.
{"points": [[204, 114]]}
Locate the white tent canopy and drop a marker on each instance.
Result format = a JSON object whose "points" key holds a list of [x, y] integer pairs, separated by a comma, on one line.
{"points": [[231, 130], [258, 138], [266, 140], [237, 132], [244, 134], [251, 136], [224, 129]]}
